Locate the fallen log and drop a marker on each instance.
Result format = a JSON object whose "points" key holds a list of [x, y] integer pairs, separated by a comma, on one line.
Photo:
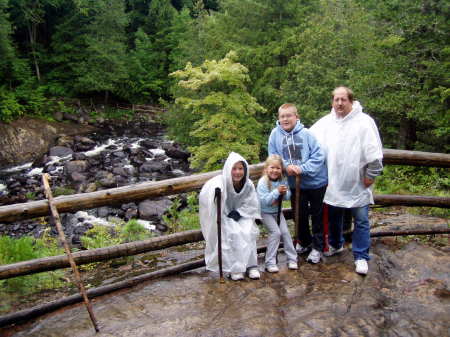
{"points": [[99, 254], [124, 194], [411, 232]]}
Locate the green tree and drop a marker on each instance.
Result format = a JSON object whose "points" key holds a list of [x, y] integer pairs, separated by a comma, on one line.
{"points": [[415, 98], [103, 68], [214, 113], [338, 47]]}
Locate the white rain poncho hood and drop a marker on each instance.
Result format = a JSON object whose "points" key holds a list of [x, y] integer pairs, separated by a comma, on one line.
{"points": [[238, 237], [350, 143]]}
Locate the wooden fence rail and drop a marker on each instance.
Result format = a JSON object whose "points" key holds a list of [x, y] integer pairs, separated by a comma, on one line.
{"points": [[124, 194]]}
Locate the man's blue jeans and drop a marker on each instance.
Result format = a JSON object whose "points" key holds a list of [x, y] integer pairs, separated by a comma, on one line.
{"points": [[361, 232]]}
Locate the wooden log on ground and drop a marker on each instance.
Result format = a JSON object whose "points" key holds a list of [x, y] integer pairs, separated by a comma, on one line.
{"points": [[99, 254]]}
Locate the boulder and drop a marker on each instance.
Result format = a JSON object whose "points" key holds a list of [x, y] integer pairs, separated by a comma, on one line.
{"points": [[60, 151], [155, 166], [151, 209], [75, 166]]}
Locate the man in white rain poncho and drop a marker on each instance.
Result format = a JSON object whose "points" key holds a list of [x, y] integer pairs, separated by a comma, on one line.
{"points": [[354, 155], [240, 208]]}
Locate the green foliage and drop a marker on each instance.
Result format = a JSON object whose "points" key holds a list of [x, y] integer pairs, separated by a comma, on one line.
{"points": [[63, 190], [28, 248], [101, 236], [185, 219], [133, 231], [10, 108], [415, 180], [98, 237], [30, 195], [216, 111]]}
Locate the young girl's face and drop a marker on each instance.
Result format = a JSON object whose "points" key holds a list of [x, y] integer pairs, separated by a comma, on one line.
{"points": [[274, 170], [237, 172]]}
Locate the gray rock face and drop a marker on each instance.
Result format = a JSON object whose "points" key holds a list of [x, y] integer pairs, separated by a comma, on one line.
{"points": [[27, 138], [406, 293]]}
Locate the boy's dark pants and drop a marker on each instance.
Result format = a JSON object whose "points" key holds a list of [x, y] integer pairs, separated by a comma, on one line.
{"points": [[311, 203]]}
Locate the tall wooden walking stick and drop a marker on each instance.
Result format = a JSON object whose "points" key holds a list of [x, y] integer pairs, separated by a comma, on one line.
{"points": [[62, 238], [297, 206], [218, 197], [280, 202]]}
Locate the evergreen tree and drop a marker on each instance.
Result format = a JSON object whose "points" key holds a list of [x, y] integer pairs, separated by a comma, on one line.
{"points": [[104, 68]]}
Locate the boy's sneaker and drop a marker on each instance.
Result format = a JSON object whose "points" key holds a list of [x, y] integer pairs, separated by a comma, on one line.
{"points": [[302, 250], [361, 266], [333, 251], [254, 274], [237, 276], [292, 265], [314, 256], [273, 268]]}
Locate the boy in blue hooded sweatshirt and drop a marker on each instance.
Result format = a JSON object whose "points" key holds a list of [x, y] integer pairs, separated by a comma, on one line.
{"points": [[302, 156]]}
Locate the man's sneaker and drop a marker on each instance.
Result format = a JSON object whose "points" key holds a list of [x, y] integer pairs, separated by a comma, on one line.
{"points": [[237, 276], [273, 268], [314, 256], [292, 265], [333, 251], [254, 274], [361, 266], [301, 250]]}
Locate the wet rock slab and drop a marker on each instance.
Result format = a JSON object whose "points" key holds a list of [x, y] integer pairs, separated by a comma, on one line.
{"points": [[405, 294]]}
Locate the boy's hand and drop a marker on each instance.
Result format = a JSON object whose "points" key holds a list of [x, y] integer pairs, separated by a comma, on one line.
{"points": [[293, 170], [282, 189]]}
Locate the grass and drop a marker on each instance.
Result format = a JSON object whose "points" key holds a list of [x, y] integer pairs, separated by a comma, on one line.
{"points": [[28, 248]]}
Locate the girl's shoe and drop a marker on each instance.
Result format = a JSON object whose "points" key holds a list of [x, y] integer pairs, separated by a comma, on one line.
{"points": [[273, 268], [254, 274], [237, 276], [292, 265]]}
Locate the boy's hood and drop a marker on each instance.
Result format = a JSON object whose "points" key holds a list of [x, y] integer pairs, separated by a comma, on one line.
{"points": [[297, 128]]}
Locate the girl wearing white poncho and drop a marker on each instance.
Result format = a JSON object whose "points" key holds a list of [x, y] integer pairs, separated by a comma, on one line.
{"points": [[240, 208]]}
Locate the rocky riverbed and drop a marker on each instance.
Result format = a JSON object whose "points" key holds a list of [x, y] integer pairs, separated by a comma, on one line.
{"points": [[117, 153]]}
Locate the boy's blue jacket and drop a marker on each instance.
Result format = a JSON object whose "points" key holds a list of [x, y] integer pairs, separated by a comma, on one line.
{"points": [[299, 147], [267, 196]]}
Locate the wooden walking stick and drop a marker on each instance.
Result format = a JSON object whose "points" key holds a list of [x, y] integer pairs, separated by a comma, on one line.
{"points": [[297, 206], [62, 238], [280, 202], [218, 197]]}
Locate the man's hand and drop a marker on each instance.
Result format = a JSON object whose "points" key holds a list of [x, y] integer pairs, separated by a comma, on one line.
{"points": [[293, 170], [367, 181]]}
